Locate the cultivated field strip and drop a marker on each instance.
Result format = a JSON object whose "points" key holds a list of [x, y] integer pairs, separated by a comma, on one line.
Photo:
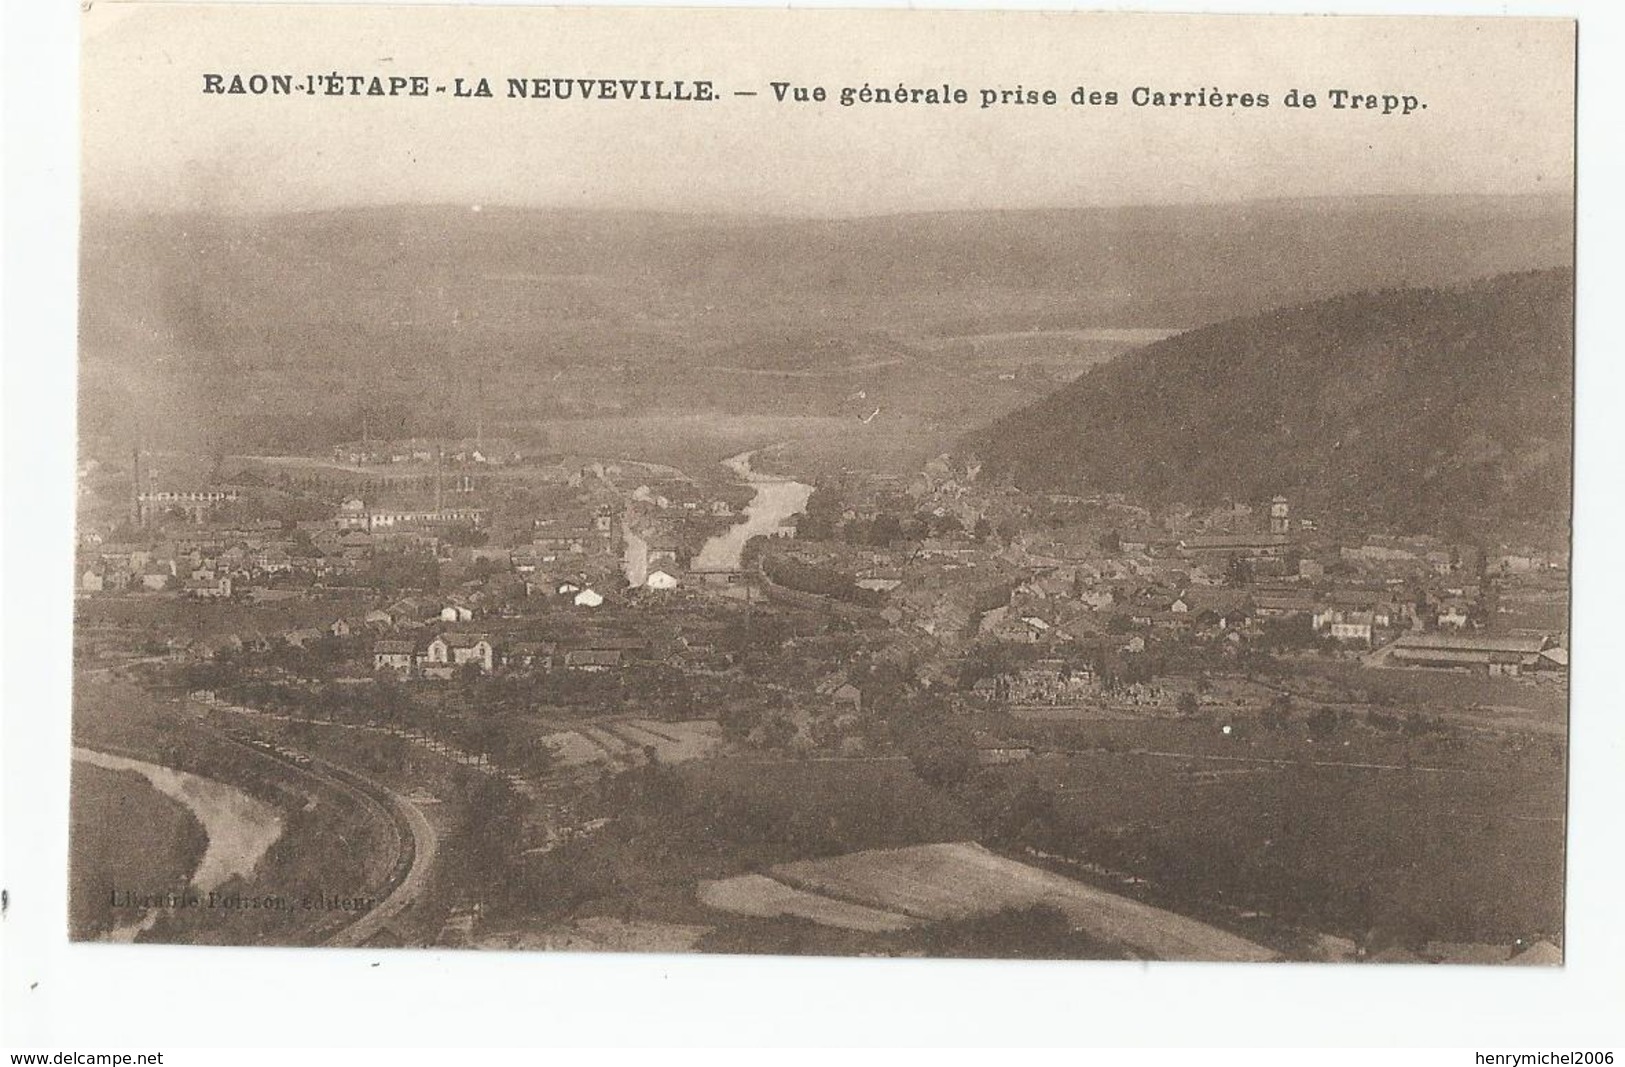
{"points": [[574, 749], [660, 730], [627, 742], [634, 736], [678, 742], [614, 747]]}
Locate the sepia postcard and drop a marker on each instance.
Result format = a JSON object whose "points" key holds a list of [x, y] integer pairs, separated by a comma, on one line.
{"points": [[892, 483]]}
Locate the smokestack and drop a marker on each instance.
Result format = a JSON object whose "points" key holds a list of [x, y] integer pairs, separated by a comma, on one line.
{"points": [[135, 486]]}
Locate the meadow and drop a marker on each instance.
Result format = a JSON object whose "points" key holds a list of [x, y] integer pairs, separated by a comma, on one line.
{"points": [[1464, 842]]}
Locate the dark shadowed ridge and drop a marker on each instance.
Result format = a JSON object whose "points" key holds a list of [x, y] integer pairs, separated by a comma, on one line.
{"points": [[1432, 409]]}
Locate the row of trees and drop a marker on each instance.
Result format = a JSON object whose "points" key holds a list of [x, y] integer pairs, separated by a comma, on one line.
{"points": [[824, 520], [824, 581]]}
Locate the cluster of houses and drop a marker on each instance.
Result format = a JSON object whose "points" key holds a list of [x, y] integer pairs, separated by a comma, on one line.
{"points": [[1063, 571], [571, 557], [423, 638], [422, 450], [223, 560], [992, 563], [1056, 611], [444, 654], [1064, 603], [1048, 681], [683, 496], [204, 564], [413, 639]]}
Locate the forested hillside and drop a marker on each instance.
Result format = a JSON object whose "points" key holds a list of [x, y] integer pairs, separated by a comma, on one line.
{"points": [[1442, 409]]}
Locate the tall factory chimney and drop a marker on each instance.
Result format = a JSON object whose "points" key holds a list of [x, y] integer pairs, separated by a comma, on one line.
{"points": [[439, 464], [135, 486]]}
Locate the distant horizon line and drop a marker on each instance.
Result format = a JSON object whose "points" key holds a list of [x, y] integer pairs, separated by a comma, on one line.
{"points": [[88, 207]]}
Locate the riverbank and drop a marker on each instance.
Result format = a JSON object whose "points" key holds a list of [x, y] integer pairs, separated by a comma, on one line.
{"points": [[126, 836], [776, 500], [240, 828], [237, 830]]}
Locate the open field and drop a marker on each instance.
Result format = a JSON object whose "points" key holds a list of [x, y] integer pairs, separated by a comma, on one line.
{"points": [[671, 827], [761, 896], [676, 443], [672, 742], [572, 748], [687, 440], [1408, 688], [164, 616], [1533, 609], [939, 882], [599, 934], [1431, 847], [625, 741], [1353, 740], [1060, 354], [801, 444], [821, 808]]}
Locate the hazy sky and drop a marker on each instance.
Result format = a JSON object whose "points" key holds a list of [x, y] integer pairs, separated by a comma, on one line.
{"points": [[1499, 96]]}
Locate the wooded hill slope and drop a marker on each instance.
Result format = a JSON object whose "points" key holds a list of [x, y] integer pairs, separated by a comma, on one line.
{"points": [[1425, 409]]}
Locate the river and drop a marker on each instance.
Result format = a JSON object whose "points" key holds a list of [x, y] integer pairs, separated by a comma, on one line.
{"points": [[240, 828], [635, 560], [775, 501]]}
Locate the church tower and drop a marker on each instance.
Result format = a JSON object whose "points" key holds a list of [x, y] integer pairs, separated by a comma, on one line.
{"points": [[1280, 516]]}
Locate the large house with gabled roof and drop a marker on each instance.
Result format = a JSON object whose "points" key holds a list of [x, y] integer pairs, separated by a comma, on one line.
{"points": [[456, 649]]}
